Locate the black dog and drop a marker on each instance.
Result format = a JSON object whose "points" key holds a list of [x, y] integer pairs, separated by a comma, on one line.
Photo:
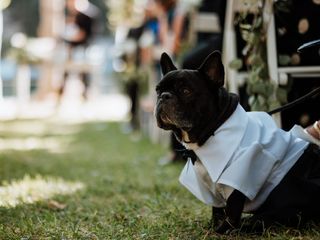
{"points": [[244, 163]]}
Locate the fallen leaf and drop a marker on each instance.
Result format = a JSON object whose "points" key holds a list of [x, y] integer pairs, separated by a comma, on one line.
{"points": [[52, 204]]}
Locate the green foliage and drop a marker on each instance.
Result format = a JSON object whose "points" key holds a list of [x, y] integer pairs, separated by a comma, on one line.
{"points": [[124, 12], [264, 94], [282, 6], [134, 75], [284, 60], [236, 64]]}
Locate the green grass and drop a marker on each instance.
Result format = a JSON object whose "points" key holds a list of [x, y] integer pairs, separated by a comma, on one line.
{"points": [[121, 192]]}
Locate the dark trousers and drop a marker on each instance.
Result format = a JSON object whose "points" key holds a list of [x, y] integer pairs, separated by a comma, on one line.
{"points": [[132, 89], [296, 199], [84, 79]]}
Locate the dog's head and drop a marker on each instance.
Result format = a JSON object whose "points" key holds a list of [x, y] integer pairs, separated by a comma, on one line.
{"points": [[187, 100]]}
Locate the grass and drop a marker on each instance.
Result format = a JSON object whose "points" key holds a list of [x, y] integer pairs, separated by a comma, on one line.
{"points": [[90, 181]]}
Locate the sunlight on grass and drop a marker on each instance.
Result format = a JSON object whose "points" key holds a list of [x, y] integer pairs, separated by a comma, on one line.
{"points": [[38, 128], [36, 135], [52, 144], [33, 189], [27, 127]]}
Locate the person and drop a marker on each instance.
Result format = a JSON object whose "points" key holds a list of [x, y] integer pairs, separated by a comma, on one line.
{"points": [[78, 32], [172, 18], [140, 38], [132, 77], [207, 42]]}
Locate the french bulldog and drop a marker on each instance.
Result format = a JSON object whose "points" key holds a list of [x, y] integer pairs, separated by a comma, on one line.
{"points": [[195, 105]]}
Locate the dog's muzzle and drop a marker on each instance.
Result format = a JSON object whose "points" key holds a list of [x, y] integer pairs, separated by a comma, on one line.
{"points": [[164, 110], [168, 114], [161, 116]]}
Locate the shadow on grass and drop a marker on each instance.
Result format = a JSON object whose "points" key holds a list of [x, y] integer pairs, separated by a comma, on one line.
{"points": [[126, 194], [119, 175]]}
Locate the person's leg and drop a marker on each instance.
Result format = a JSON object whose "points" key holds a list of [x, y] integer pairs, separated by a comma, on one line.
{"points": [[133, 93], [65, 75], [86, 83], [62, 87]]}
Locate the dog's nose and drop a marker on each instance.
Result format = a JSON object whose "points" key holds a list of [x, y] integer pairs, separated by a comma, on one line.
{"points": [[166, 96]]}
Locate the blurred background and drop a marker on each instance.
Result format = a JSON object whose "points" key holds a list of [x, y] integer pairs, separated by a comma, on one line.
{"points": [[81, 156], [100, 58], [44, 45]]}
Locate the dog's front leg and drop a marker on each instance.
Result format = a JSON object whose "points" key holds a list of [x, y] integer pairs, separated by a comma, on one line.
{"points": [[233, 212], [218, 216]]}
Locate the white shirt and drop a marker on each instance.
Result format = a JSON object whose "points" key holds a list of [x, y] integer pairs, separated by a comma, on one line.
{"points": [[248, 153]]}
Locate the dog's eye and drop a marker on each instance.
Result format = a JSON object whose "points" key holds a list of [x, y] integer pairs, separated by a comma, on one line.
{"points": [[186, 91]]}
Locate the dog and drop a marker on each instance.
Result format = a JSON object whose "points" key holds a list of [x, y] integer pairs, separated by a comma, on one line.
{"points": [[241, 161]]}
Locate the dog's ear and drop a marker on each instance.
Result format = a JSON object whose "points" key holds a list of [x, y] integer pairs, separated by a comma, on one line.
{"points": [[213, 68], [166, 64]]}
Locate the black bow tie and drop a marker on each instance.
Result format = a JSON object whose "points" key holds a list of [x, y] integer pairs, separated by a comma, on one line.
{"points": [[186, 154]]}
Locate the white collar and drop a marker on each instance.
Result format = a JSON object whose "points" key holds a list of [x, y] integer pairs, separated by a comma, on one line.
{"points": [[218, 149]]}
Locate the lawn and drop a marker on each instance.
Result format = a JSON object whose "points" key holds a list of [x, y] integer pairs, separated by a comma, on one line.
{"points": [[91, 181]]}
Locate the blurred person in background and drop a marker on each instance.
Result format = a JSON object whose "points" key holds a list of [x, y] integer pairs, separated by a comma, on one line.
{"points": [[137, 55], [171, 15], [166, 20], [207, 42], [80, 15], [172, 28], [160, 30]]}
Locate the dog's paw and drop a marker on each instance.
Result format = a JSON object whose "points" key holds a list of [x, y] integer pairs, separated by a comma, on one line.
{"points": [[218, 216], [225, 226]]}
